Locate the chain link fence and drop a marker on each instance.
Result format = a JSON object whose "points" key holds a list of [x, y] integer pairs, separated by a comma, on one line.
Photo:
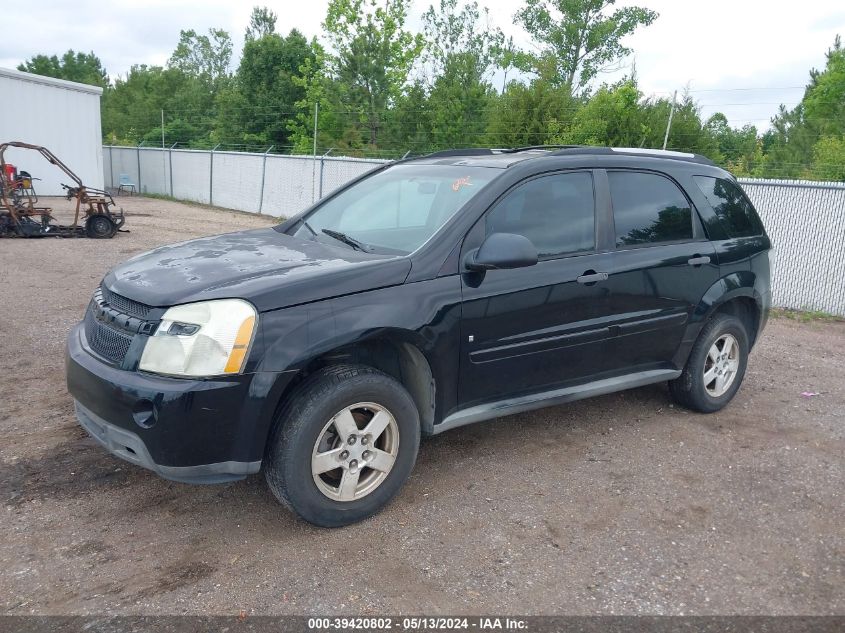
{"points": [[806, 220], [274, 184]]}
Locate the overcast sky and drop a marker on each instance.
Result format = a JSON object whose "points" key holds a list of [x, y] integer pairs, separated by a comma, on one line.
{"points": [[740, 57]]}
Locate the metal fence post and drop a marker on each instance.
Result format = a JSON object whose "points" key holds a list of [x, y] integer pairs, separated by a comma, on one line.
{"points": [[170, 160], [263, 174], [138, 157], [314, 170], [322, 165], [211, 176], [111, 167]]}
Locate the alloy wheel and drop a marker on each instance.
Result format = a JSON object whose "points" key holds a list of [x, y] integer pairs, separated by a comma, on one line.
{"points": [[355, 451], [721, 365]]}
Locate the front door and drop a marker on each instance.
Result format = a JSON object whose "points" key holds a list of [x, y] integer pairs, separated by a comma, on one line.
{"points": [[531, 329]]}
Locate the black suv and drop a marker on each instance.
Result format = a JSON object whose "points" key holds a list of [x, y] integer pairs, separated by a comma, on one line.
{"points": [[428, 294]]}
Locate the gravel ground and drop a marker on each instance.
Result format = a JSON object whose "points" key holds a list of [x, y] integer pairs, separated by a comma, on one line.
{"points": [[622, 504]]}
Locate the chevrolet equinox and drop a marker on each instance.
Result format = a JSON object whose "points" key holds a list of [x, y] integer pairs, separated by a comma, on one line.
{"points": [[427, 294]]}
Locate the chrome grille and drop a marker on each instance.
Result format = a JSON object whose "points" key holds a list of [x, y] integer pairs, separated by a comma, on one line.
{"points": [[105, 340], [124, 305]]}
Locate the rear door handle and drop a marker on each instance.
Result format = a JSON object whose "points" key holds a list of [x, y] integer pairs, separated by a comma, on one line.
{"points": [[591, 277], [698, 260]]}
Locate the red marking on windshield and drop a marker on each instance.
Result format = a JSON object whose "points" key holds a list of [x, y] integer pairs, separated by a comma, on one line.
{"points": [[461, 182]]}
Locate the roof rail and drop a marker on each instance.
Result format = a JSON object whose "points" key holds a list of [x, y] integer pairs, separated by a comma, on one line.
{"points": [[469, 151], [528, 148], [487, 151], [637, 151], [571, 150]]}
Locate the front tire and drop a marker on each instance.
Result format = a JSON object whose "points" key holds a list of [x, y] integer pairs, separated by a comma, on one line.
{"points": [[716, 366], [343, 445]]}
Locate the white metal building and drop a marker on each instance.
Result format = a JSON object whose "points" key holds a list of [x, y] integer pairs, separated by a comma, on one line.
{"points": [[63, 116]]}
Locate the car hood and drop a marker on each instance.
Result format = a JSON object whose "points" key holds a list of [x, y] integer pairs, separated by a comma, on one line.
{"points": [[270, 269]]}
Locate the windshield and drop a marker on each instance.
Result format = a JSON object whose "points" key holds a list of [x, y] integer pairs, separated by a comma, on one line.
{"points": [[395, 210]]}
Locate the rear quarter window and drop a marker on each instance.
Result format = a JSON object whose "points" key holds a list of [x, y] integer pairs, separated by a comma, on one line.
{"points": [[734, 210]]}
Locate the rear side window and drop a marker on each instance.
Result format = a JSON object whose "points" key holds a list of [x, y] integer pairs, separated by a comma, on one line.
{"points": [[648, 209], [733, 208], [557, 213]]}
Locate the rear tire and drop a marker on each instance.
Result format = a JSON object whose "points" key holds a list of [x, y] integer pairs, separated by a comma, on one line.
{"points": [[100, 226], [715, 367], [321, 461]]}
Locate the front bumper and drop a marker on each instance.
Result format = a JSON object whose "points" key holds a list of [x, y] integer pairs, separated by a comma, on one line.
{"points": [[194, 431], [127, 445]]}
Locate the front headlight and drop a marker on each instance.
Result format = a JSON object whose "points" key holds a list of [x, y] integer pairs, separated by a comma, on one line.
{"points": [[209, 338]]}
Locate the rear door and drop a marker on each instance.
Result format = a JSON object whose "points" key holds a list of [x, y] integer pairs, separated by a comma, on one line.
{"points": [[662, 266], [529, 329]]}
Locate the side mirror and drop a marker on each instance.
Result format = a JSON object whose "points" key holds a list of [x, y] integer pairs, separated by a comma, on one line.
{"points": [[502, 250]]}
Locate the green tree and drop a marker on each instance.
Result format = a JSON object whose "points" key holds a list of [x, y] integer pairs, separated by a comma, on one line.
{"points": [[462, 49], [824, 100], [578, 39], [186, 90], [829, 158], [619, 116], [529, 114], [458, 105], [790, 146], [205, 57], [451, 33], [131, 111], [321, 89], [372, 55], [409, 127], [259, 107], [262, 22], [81, 67], [739, 149], [688, 132], [613, 116]]}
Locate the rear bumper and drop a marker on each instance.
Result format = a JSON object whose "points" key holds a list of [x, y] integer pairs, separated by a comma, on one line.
{"points": [[129, 446]]}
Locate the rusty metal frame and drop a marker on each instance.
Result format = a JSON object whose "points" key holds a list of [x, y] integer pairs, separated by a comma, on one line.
{"points": [[89, 201]]}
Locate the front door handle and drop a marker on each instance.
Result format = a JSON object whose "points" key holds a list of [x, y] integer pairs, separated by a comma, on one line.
{"points": [[591, 277], [698, 260]]}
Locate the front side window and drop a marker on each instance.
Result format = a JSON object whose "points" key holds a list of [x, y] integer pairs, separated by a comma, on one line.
{"points": [[735, 212], [398, 209], [648, 209], [557, 213]]}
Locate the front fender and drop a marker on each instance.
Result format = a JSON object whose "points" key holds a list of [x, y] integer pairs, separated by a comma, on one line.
{"points": [[424, 314]]}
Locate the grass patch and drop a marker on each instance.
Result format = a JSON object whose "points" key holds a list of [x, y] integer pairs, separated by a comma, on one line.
{"points": [[806, 316]]}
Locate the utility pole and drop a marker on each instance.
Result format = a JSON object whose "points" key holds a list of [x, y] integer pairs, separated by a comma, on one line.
{"points": [[162, 128], [671, 115]]}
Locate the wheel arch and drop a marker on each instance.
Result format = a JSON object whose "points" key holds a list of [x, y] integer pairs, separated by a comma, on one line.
{"points": [[738, 294], [397, 353]]}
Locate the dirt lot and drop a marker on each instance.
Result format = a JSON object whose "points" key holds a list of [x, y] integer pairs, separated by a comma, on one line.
{"points": [[621, 504]]}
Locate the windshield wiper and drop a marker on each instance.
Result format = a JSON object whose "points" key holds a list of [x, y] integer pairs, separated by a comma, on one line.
{"points": [[346, 239]]}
